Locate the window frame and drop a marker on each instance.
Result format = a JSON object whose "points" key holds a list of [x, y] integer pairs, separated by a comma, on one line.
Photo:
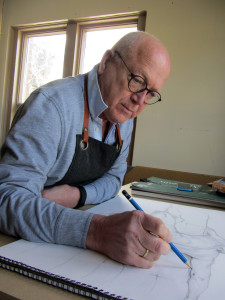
{"points": [[23, 33]]}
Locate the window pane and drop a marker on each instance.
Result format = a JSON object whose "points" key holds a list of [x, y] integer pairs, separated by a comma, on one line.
{"points": [[97, 42], [44, 61]]}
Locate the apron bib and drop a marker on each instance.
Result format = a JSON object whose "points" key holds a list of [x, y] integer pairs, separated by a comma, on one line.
{"points": [[92, 158]]}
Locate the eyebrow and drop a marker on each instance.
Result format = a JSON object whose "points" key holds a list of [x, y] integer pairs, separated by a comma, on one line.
{"points": [[142, 74]]}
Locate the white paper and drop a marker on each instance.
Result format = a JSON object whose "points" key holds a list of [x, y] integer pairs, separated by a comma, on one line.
{"points": [[198, 233]]}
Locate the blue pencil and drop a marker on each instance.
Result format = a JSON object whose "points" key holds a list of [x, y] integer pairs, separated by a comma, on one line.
{"points": [[175, 250]]}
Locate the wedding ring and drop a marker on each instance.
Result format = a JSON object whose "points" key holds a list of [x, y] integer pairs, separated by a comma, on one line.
{"points": [[146, 253]]}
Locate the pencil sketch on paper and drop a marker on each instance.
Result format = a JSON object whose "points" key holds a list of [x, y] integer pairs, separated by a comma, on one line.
{"points": [[199, 242], [197, 234]]}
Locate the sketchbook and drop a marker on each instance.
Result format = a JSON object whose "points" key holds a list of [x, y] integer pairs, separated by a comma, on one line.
{"points": [[198, 233]]}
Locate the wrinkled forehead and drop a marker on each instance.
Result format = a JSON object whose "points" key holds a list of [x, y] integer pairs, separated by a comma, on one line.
{"points": [[152, 63]]}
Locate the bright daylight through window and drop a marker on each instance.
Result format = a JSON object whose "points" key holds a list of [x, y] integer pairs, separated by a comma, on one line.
{"points": [[43, 62], [97, 42]]}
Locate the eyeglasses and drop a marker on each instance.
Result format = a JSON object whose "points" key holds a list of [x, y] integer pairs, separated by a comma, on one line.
{"points": [[137, 84]]}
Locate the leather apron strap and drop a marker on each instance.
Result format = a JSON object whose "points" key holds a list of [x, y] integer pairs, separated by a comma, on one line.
{"points": [[86, 111]]}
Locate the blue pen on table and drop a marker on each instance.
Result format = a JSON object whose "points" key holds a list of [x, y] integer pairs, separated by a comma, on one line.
{"points": [[175, 250]]}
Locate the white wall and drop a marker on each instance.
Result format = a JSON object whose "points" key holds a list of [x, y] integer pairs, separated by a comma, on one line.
{"points": [[186, 131]]}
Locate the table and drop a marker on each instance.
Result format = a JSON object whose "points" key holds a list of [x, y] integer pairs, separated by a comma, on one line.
{"points": [[16, 286]]}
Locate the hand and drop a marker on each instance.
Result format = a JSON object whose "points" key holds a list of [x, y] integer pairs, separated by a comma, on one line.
{"points": [[125, 237], [64, 195]]}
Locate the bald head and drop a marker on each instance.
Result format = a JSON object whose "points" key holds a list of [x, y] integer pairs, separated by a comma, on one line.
{"points": [[144, 48]]}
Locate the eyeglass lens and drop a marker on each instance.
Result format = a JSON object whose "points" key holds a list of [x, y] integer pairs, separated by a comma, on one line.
{"points": [[137, 84]]}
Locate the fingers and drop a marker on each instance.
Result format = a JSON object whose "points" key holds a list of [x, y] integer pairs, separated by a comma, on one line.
{"points": [[153, 234], [151, 256], [146, 260], [157, 227], [126, 238], [154, 243]]}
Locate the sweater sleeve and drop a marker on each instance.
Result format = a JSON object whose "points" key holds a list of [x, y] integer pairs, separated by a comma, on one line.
{"points": [[29, 152]]}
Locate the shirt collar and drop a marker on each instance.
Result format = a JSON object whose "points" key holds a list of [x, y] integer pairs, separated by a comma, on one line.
{"points": [[95, 102]]}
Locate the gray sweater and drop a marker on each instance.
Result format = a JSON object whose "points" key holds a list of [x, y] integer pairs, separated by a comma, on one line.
{"points": [[38, 151]]}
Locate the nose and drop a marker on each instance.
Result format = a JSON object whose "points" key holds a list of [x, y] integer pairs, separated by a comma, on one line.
{"points": [[139, 98]]}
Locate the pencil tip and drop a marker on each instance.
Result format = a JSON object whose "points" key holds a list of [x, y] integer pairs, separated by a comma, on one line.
{"points": [[187, 263]]}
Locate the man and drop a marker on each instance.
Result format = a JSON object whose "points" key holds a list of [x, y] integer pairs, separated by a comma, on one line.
{"points": [[68, 147]]}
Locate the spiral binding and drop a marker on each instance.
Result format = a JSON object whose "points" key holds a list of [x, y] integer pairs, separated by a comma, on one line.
{"points": [[72, 286]]}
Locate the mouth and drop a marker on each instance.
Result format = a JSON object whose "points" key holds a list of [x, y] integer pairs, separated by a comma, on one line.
{"points": [[127, 109]]}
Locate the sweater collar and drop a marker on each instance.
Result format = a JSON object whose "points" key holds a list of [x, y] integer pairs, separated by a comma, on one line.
{"points": [[95, 102]]}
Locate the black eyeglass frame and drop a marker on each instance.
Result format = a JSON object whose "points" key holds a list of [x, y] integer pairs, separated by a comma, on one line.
{"points": [[133, 76]]}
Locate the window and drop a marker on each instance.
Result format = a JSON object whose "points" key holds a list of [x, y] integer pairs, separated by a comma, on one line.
{"points": [[96, 42], [39, 58], [43, 62], [45, 52]]}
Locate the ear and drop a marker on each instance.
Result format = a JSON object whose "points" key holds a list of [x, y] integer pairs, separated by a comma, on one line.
{"points": [[104, 61]]}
